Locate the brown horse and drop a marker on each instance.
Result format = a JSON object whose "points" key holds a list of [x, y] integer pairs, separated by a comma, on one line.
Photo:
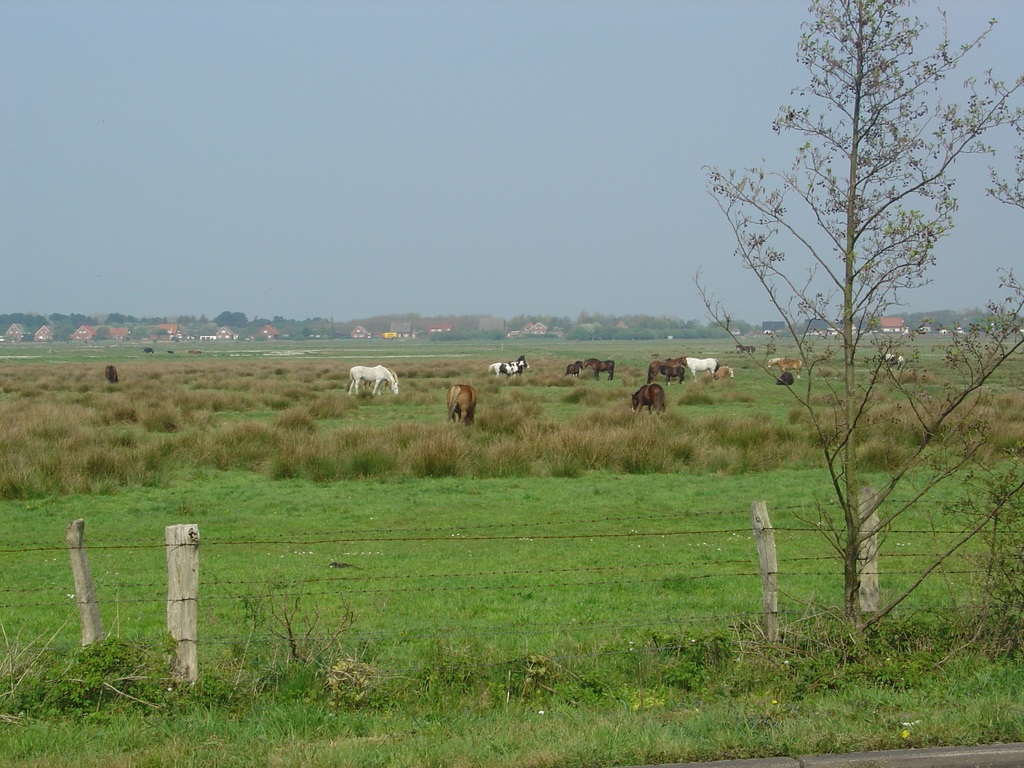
{"points": [[650, 395], [658, 367], [573, 369], [461, 403], [608, 366], [786, 364], [110, 372]]}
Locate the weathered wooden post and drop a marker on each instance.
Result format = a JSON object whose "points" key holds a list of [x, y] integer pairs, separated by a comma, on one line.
{"points": [[765, 537], [183, 596], [85, 590], [868, 505]]}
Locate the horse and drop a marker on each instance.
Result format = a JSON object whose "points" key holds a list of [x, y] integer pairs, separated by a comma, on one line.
{"points": [[573, 369], [650, 395], [195, 351], [786, 364], [378, 374], [461, 403], [658, 366], [147, 350], [697, 365], [672, 372], [785, 379], [607, 366], [895, 361], [514, 368], [110, 372], [723, 372], [748, 348]]}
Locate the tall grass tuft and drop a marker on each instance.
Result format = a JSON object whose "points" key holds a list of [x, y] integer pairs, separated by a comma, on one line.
{"points": [[446, 453]]}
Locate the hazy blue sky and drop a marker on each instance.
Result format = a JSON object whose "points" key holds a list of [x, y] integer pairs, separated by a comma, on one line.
{"points": [[348, 159]]}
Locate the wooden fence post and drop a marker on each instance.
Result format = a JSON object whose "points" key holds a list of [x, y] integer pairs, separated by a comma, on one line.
{"points": [[765, 536], [183, 597], [85, 590], [868, 505]]}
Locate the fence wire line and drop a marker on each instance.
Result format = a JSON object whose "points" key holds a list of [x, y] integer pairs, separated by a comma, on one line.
{"points": [[468, 588], [315, 580], [213, 543]]}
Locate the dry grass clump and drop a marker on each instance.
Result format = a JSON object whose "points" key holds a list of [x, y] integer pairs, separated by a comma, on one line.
{"points": [[442, 453]]}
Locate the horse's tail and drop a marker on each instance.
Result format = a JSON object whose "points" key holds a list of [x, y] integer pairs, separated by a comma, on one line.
{"points": [[659, 399], [650, 374], [453, 400], [717, 366]]}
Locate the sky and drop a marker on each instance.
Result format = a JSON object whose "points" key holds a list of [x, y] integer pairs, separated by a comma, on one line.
{"points": [[348, 159]]}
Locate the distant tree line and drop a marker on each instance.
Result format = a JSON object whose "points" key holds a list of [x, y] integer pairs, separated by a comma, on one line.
{"points": [[586, 327]]}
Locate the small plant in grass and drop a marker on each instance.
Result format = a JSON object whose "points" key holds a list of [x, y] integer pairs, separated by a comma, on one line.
{"points": [[103, 677], [351, 683]]}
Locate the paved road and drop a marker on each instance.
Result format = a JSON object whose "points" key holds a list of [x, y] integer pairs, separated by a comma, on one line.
{"points": [[995, 756]]}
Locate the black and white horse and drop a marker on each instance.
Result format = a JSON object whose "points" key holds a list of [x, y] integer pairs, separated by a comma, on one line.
{"points": [[514, 368]]}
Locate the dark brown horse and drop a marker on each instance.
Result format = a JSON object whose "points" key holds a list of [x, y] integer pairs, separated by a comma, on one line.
{"points": [[573, 369], [658, 367], [110, 372], [461, 403], [650, 395], [608, 366]]}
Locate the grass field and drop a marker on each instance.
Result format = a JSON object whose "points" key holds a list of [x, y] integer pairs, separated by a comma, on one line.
{"points": [[380, 587]]}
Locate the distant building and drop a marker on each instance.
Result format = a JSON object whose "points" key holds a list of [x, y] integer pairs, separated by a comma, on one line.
{"points": [[225, 334], [43, 334], [438, 329], [16, 332], [401, 330], [773, 326], [892, 325], [820, 327], [360, 333], [268, 332], [170, 331], [535, 329], [119, 334], [84, 333]]}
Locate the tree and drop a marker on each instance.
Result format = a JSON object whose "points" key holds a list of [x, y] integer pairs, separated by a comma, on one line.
{"points": [[232, 319], [852, 225]]}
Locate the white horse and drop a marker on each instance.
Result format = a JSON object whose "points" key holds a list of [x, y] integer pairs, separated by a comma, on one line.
{"points": [[378, 374], [895, 361], [700, 366]]}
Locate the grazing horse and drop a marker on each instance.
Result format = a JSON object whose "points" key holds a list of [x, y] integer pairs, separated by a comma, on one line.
{"points": [[573, 369], [378, 374], [895, 361], [658, 367], [600, 365], [195, 351], [748, 348], [147, 350], [785, 379], [697, 365], [787, 364], [461, 403], [514, 368], [110, 372], [650, 395], [724, 372]]}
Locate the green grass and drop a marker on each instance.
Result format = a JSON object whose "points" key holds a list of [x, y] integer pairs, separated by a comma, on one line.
{"points": [[564, 584]]}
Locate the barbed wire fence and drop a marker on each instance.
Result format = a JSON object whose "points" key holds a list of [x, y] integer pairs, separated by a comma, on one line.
{"points": [[208, 605]]}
